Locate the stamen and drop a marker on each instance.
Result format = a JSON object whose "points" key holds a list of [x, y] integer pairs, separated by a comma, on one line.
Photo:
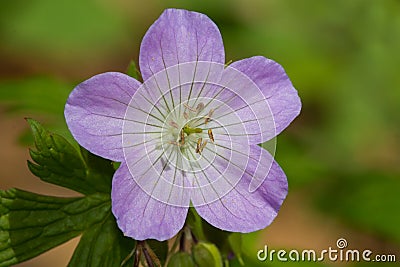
{"points": [[199, 145], [210, 135], [200, 107], [174, 143], [208, 117], [174, 124], [188, 107], [182, 140], [202, 146], [185, 115]]}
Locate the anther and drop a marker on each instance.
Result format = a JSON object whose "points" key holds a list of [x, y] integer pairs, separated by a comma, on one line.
{"points": [[200, 145], [208, 117], [182, 140], [174, 124], [200, 107], [188, 107], [210, 135], [199, 141], [174, 143]]}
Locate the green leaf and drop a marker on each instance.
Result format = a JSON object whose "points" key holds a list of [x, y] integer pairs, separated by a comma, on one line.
{"points": [[103, 245], [58, 162], [31, 224]]}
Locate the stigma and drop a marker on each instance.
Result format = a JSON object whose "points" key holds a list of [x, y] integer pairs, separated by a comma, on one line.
{"points": [[186, 134]]}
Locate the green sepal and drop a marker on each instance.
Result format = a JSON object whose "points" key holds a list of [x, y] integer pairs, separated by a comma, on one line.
{"points": [[103, 245], [195, 224], [133, 71]]}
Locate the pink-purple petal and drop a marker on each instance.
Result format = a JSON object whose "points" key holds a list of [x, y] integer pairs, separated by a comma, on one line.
{"points": [[139, 215], [274, 83], [95, 111], [243, 211], [179, 36]]}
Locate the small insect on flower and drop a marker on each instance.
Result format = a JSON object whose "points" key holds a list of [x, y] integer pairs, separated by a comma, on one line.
{"points": [[210, 135]]}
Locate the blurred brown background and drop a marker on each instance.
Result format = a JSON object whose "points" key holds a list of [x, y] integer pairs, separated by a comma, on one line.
{"points": [[341, 155]]}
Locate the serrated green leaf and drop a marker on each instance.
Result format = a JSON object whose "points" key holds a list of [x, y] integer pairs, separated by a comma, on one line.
{"points": [[31, 224], [58, 162]]}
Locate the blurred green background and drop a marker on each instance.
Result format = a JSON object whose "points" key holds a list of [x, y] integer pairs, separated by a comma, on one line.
{"points": [[341, 155]]}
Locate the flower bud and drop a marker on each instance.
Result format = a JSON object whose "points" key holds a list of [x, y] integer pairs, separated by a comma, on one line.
{"points": [[207, 255], [181, 259]]}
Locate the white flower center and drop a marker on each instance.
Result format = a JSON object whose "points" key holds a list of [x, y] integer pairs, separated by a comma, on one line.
{"points": [[188, 134]]}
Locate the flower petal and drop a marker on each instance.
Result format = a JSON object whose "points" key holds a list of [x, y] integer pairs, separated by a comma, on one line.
{"points": [[95, 111], [242, 211], [240, 108], [179, 36], [274, 83], [138, 214], [157, 170]]}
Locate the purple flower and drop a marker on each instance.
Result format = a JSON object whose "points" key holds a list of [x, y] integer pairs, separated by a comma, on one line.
{"points": [[189, 135]]}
